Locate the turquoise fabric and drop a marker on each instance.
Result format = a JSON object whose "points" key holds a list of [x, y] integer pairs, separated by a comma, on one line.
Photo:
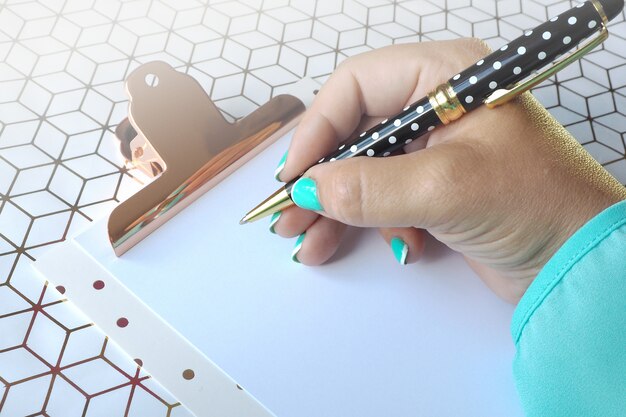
{"points": [[570, 326]]}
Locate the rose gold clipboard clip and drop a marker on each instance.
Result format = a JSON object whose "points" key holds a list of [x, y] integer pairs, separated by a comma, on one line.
{"points": [[176, 134]]}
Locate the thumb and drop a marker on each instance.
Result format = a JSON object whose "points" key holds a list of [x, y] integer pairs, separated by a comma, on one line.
{"points": [[420, 189]]}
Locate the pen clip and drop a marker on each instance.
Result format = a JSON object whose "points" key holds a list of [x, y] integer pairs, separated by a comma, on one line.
{"points": [[502, 96]]}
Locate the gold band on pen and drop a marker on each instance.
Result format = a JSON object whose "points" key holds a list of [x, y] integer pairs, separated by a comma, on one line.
{"points": [[446, 104]]}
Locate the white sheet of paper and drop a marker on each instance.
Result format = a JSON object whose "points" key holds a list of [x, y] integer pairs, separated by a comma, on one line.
{"points": [[361, 336]]}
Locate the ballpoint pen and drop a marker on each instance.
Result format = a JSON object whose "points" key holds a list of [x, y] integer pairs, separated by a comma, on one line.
{"points": [[493, 80]]}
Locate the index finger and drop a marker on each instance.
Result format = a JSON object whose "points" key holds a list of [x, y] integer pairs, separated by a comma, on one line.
{"points": [[377, 83]]}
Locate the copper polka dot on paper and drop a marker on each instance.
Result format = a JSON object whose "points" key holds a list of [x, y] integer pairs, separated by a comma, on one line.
{"points": [[122, 322], [98, 285], [189, 374], [61, 289], [139, 362]]}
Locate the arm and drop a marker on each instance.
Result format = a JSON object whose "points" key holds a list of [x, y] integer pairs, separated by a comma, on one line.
{"points": [[570, 326]]}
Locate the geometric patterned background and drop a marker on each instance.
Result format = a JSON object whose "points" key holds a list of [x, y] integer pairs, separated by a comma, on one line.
{"points": [[62, 68]]}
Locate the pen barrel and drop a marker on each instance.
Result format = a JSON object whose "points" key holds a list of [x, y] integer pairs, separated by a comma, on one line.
{"points": [[390, 135], [525, 55]]}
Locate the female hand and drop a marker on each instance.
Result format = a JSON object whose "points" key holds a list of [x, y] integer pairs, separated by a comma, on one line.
{"points": [[504, 187]]}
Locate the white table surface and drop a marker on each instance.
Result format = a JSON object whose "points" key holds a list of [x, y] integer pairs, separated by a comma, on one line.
{"points": [[62, 66]]}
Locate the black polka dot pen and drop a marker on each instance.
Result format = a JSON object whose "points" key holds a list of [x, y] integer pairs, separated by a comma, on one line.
{"points": [[497, 78]]}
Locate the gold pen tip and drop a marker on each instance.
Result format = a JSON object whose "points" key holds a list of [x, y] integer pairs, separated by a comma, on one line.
{"points": [[276, 202]]}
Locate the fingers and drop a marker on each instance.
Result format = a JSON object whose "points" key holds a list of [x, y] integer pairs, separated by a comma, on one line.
{"points": [[318, 237], [319, 243], [364, 84], [378, 83], [292, 221], [407, 243]]}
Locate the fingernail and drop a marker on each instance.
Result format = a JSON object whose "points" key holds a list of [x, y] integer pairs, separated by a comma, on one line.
{"points": [[280, 167], [297, 247], [400, 250], [304, 194], [274, 220]]}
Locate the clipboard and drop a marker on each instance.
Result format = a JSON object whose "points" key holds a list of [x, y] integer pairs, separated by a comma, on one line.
{"points": [[222, 317]]}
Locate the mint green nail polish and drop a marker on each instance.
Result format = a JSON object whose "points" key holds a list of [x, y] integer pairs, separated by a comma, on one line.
{"points": [[274, 220], [297, 247], [400, 250], [304, 194], [280, 166]]}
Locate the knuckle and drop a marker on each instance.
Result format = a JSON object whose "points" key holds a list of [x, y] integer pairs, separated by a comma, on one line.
{"points": [[478, 46], [346, 202], [347, 64], [447, 184], [441, 177], [463, 160], [471, 50]]}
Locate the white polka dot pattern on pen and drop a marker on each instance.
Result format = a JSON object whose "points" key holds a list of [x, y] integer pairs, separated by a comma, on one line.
{"points": [[554, 19], [362, 134], [488, 74], [342, 146]]}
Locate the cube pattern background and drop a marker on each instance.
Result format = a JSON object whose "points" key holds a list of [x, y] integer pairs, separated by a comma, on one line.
{"points": [[62, 69]]}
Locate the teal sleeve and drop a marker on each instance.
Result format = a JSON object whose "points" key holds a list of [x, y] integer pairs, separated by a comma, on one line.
{"points": [[569, 328]]}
